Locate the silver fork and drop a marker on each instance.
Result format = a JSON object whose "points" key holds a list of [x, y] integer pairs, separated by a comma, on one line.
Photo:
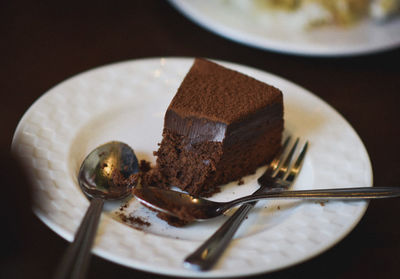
{"points": [[279, 175]]}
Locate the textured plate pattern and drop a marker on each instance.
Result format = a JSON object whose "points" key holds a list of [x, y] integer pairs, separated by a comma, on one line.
{"points": [[127, 101]]}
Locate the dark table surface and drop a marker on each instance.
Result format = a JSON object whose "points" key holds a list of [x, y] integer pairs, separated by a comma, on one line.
{"points": [[45, 42]]}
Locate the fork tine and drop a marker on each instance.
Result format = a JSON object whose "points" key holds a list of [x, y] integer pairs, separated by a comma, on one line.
{"points": [[295, 169], [284, 167], [276, 162], [277, 158]]}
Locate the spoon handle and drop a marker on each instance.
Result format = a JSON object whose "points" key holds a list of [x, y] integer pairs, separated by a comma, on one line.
{"points": [[360, 193], [76, 259]]}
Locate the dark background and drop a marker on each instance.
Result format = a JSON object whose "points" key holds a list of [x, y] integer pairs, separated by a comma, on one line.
{"points": [[44, 42]]}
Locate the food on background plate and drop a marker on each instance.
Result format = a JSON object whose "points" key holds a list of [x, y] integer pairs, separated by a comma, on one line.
{"points": [[220, 126], [313, 13]]}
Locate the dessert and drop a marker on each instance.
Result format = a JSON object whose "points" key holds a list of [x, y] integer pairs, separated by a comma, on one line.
{"points": [[220, 126]]}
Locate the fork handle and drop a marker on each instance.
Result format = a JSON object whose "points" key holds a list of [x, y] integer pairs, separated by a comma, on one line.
{"points": [[210, 251], [208, 254]]}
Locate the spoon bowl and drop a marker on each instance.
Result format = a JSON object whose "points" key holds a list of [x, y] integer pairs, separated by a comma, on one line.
{"points": [[108, 172]]}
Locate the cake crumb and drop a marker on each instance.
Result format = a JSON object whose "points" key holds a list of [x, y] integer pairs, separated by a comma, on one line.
{"points": [[278, 207], [123, 207], [133, 221], [241, 181], [144, 166]]}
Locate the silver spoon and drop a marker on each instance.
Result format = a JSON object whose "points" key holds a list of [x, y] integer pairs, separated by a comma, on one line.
{"points": [[107, 173], [189, 208]]}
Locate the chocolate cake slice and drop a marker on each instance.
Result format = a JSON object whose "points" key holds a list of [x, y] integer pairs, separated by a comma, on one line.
{"points": [[220, 126]]}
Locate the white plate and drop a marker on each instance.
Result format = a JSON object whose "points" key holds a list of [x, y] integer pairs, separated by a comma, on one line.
{"points": [[126, 102], [282, 35]]}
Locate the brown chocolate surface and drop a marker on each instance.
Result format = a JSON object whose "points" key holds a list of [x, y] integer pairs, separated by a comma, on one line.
{"points": [[223, 95]]}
